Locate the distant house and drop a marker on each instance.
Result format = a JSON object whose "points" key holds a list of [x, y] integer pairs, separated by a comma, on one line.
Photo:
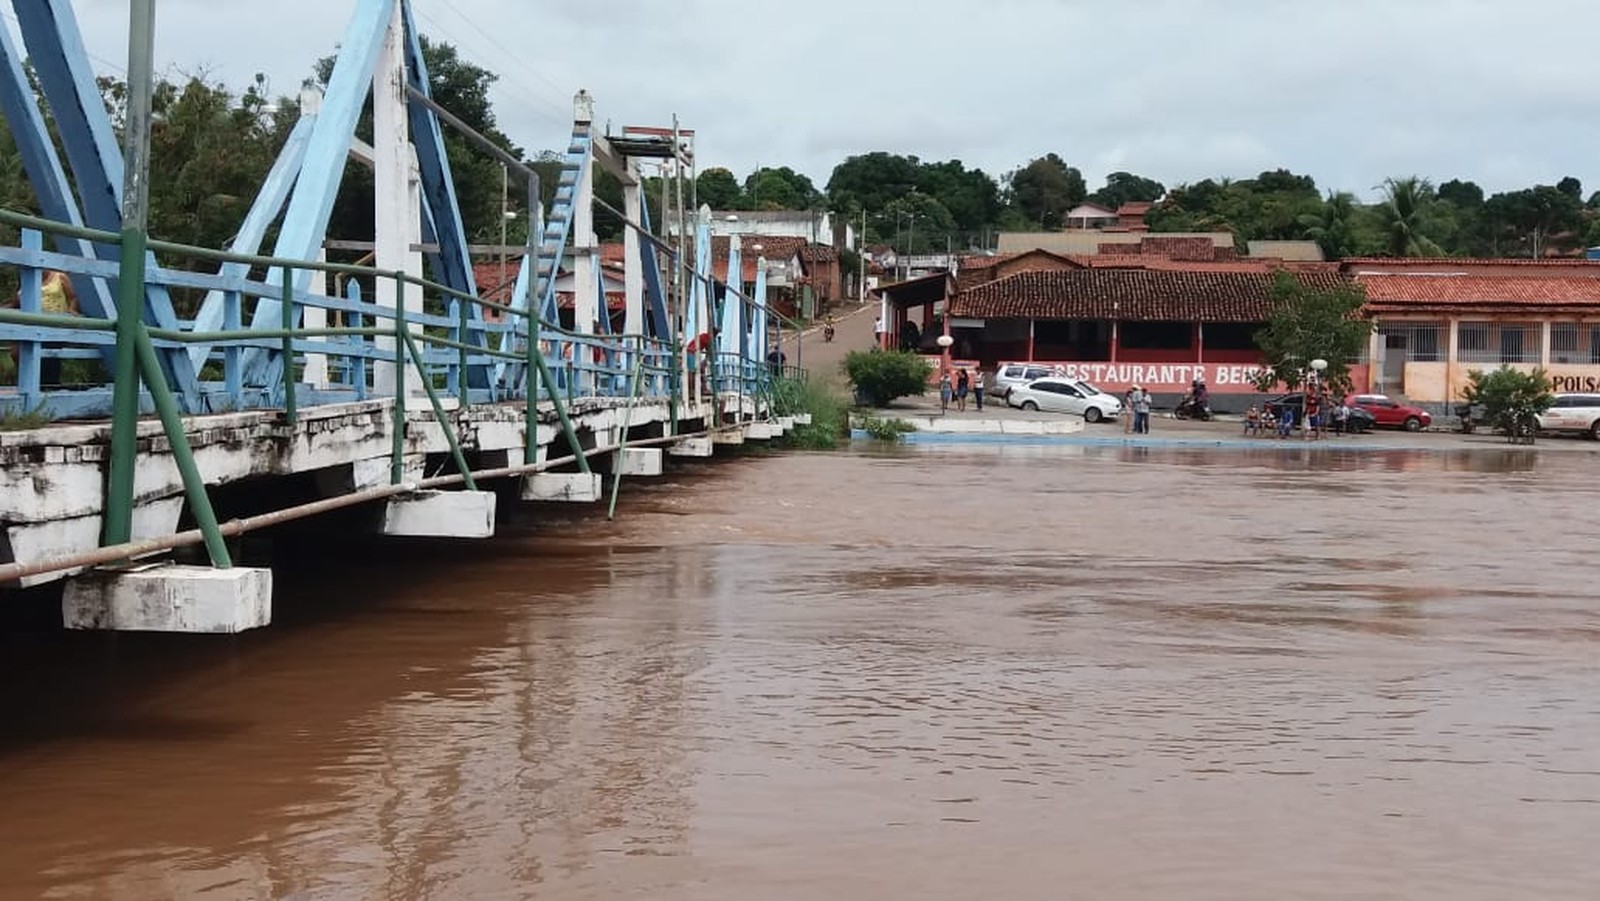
{"points": [[1088, 242], [813, 226], [1298, 251], [1090, 216]]}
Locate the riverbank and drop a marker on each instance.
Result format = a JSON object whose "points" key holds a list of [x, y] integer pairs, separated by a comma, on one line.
{"points": [[999, 423]]}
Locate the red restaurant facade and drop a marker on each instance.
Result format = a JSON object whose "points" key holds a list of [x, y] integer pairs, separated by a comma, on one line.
{"points": [[1118, 327]]}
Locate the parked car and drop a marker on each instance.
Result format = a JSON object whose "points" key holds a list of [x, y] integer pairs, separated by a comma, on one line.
{"points": [[1056, 394], [1573, 413], [1011, 375], [1389, 413], [1360, 420]]}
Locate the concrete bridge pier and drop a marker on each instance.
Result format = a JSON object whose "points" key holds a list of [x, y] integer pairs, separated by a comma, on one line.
{"points": [[165, 597], [440, 514]]}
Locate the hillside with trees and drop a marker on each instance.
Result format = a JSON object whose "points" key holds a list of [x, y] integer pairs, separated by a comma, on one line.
{"points": [[212, 147]]}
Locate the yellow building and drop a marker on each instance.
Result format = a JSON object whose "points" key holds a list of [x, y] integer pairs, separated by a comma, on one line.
{"points": [[1439, 319]]}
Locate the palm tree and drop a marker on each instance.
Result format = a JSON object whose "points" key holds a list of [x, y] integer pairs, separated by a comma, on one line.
{"points": [[1333, 225], [1404, 212]]}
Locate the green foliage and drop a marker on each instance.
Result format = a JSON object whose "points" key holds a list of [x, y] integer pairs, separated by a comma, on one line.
{"points": [[1512, 400], [780, 189], [1406, 215], [719, 189], [881, 376], [886, 429], [1308, 324], [17, 420], [1046, 189], [1125, 187], [830, 416]]}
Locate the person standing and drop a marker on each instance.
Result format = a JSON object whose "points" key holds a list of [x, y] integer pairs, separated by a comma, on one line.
{"points": [[877, 332], [1308, 424], [945, 391], [963, 385], [977, 387], [1127, 412], [1141, 411]]}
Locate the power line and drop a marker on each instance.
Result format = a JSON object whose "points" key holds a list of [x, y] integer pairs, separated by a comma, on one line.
{"points": [[509, 53], [557, 119]]}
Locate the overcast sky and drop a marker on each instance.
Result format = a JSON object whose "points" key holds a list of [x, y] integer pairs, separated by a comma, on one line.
{"points": [[1348, 91]]}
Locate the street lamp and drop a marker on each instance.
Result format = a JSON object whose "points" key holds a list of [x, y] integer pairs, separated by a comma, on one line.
{"points": [[944, 341]]}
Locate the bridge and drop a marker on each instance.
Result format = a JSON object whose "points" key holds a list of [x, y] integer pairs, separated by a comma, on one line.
{"points": [[396, 384]]}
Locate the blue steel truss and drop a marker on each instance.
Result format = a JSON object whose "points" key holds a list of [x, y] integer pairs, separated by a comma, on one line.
{"points": [[297, 196]]}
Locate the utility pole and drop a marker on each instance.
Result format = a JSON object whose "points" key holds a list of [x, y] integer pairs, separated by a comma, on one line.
{"points": [[118, 503], [505, 215]]}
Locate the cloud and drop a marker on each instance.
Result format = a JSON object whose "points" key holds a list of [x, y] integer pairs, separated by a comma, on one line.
{"points": [[1176, 90]]}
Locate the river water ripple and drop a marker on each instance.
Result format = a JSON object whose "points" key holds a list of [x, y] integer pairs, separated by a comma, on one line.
{"points": [[932, 672]]}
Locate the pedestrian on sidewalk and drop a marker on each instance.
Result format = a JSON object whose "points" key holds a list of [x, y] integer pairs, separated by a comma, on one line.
{"points": [[977, 387], [945, 392], [963, 386], [877, 333], [1141, 411], [1127, 412]]}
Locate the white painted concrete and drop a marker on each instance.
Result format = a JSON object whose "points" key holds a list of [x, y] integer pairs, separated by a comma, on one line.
{"points": [[802, 419], [575, 487], [161, 597], [761, 431], [441, 514], [638, 461], [692, 447], [786, 423], [728, 436]]}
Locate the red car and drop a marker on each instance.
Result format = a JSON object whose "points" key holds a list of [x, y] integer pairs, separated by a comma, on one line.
{"points": [[1386, 412]]}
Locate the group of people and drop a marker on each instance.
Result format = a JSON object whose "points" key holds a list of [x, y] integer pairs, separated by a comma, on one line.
{"points": [[1136, 411], [958, 388], [1320, 414]]}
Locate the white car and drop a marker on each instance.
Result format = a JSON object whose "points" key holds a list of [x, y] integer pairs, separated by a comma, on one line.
{"points": [[1056, 394], [1573, 413], [1013, 375]]}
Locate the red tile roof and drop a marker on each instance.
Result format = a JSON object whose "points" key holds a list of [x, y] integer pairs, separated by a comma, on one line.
{"points": [[982, 260], [773, 247], [1391, 293], [1470, 262], [490, 285], [1129, 295]]}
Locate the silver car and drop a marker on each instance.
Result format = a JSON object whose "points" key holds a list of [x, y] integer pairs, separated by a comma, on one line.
{"points": [[1057, 394]]}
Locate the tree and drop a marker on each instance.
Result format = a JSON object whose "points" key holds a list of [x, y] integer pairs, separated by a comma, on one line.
{"points": [[1404, 214], [1309, 323], [880, 376], [1125, 187], [719, 189], [1571, 187], [923, 221], [780, 189], [1046, 189], [1511, 399], [869, 181], [1333, 226], [462, 88]]}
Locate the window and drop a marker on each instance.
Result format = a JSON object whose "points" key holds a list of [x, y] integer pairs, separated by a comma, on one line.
{"points": [[1157, 335], [1231, 335]]}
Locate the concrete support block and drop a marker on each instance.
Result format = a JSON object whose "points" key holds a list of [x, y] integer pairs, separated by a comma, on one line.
{"points": [[786, 423], [574, 487], [441, 514], [761, 431], [802, 419], [637, 461], [691, 447], [161, 597], [728, 436]]}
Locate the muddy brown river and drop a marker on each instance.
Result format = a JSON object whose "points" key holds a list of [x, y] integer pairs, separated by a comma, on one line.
{"points": [[934, 672]]}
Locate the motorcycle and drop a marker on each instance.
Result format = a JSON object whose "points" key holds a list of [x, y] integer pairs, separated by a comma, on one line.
{"points": [[1189, 408], [827, 334]]}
